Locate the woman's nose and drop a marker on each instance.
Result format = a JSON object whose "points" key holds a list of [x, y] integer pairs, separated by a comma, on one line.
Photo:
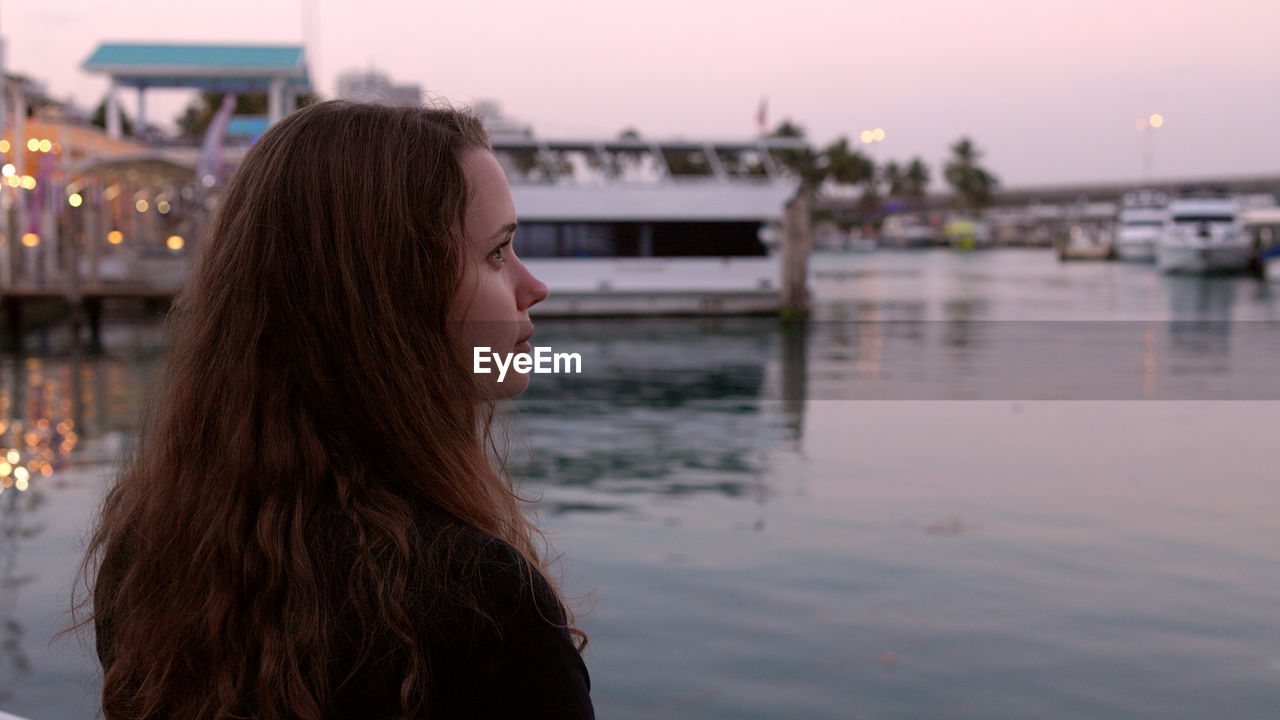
{"points": [[532, 290]]}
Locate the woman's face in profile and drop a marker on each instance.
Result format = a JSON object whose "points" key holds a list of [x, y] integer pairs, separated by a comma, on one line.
{"points": [[492, 306]]}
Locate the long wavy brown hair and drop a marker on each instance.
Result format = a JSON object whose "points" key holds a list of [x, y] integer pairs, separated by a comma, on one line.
{"points": [[312, 410]]}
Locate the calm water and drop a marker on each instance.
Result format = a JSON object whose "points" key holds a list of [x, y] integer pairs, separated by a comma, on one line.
{"points": [[984, 485]]}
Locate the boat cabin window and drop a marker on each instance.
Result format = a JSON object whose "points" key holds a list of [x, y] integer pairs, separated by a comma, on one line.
{"points": [[742, 163], [639, 239], [536, 240], [685, 163], [1196, 219]]}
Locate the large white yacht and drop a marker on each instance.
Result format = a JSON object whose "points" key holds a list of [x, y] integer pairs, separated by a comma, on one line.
{"points": [[1201, 235], [630, 226], [1140, 224]]}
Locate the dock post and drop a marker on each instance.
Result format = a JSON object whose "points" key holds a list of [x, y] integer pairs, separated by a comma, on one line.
{"points": [[75, 292], [13, 321], [94, 231], [796, 243], [795, 377], [93, 314]]}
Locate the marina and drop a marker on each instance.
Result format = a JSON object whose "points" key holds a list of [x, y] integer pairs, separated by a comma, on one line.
{"points": [[904, 508], [938, 387]]}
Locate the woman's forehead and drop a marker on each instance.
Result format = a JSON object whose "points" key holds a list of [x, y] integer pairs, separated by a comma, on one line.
{"points": [[489, 205]]}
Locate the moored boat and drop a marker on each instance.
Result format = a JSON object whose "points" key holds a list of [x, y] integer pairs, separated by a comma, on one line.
{"points": [[1139, 225], [1203, 235], [968, 234], [1086, 243], [631, 227], [907, 231]]}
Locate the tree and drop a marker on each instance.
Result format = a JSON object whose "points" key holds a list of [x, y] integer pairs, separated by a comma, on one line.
{"points": [[683, 163], [847, 167], [626, 161], [195, 119], [916, 182], [895, 179], [802, 162], [870, 203], [852, 167], [99, 118], [972, 184]]}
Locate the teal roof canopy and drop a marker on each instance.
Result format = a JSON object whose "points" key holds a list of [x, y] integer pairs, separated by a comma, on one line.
{"points": [[250, 126], [214, 68]]}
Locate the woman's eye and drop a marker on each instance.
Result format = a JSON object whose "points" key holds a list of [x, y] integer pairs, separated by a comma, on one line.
{"points": [[498, 254]]}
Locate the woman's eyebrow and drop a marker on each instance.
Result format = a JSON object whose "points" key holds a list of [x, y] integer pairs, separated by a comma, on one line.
{"points": [[504, 230]]}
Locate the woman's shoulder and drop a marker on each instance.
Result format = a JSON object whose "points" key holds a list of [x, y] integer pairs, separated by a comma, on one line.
{"points": [[516, 651], [502, 583]]}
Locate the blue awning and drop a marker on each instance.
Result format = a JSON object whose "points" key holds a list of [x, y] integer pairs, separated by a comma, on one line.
{"points": [[213, 68]]}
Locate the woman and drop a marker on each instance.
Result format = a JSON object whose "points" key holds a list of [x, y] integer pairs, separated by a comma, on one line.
{"points": [[311, 525]]}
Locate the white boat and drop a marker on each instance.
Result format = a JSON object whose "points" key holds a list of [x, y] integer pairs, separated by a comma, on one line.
{"points": [[1086, 242], [907, 231], [1139, 226], [630, 227], [1203, 235]]}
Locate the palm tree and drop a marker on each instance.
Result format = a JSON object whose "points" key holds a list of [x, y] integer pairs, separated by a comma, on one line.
{"points": [[196, 117], [625, 161], [916, 181], [973, 185], [847, 167], [870, 203], [804, 163], [895, 179]]}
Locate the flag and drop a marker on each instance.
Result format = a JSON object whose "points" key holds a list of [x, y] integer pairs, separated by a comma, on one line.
{"points": [[762, 114], [209, 169]]}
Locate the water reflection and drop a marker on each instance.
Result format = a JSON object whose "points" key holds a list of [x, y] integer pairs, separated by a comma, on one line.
{"points": [[689, 407], [975, 517], [53, 397], [957, 341], [1200, 332], [38, 403], [673, 407], [18, 526]]}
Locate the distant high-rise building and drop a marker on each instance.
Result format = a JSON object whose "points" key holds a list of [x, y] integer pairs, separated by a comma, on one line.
{"points": [[374, 86]]}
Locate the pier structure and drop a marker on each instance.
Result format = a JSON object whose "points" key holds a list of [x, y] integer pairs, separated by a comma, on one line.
{"points": [[89, 215], [85, 219], [279, 71]]}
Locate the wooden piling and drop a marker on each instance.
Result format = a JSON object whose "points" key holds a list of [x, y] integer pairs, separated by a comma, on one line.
{"points": [[797, 241], [13, 320]]}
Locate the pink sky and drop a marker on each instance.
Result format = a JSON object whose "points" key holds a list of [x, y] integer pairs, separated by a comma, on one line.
{"points": [[1049, 91]]}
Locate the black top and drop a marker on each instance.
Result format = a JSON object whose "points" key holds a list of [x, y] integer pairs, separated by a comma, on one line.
{"points": [[524, 664], [503, 653]]}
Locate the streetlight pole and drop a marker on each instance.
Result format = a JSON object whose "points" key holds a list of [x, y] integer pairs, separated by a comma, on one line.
{"points": [[869, 138], [1146, 126]]}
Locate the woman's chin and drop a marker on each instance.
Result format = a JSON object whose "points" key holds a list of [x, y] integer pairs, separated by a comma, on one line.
{"points": [[512, 385]]}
